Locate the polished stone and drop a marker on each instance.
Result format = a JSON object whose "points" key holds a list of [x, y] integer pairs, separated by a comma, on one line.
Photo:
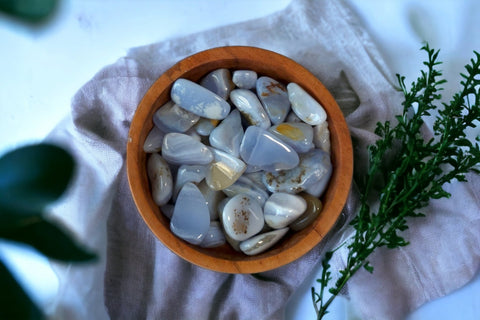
{"points": [[160, 178], [205, 126], [199, 100], [298, 135], [305, 106], [311, 175], [179, 148], [283, 208], [274, 98], [263, 150], [191, 219], [262, 242], [224, 170], [314, 208], [188, 173], [321, 137], [247, 186], [212, 197], [242, 217], [244, 79], [219, 82], [228, 135], [153, 141], [214, 237], [251, 108], [171, 118]]}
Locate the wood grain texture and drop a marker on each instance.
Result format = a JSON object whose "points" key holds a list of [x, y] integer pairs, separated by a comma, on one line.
{"points": [[285, 70]]}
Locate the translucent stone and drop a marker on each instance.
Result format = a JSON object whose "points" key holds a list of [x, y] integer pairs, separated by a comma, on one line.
{"points": [[205, 126], [160, 179], [219, 81], [251, 108], [235, 244], [179, 148], [247, 186], [213, 198], [167, 210], [191, 219], [244, 79], [242, 217], [311, 175], [298, 135], [283, 208], [199, 100], [228, 135], [305, 106], [262, 149], [188, 173], [274, 98], [171, 118], [314, 207], [153, 141], [224, 170], [214, 237], [262, 242], [321, 136], [292, 117]]}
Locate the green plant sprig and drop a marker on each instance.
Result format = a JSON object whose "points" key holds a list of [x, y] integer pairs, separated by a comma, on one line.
{"points": [[410, 169]]}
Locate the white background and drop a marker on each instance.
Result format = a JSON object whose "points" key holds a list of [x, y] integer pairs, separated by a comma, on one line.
{"points": [[42, 68]]}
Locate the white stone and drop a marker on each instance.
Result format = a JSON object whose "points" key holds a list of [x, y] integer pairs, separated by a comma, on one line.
{"points": [[283, 208], [305, 106], [262, 242], [242, 217], [160, 178]]}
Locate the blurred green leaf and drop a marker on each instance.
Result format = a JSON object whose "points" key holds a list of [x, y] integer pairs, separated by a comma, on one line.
{"points": [[14, 302], [33, 177], [35, 11], [49, 239]]}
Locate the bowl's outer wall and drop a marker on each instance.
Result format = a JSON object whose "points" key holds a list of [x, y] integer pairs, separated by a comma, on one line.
{"points": [[285, 70]]}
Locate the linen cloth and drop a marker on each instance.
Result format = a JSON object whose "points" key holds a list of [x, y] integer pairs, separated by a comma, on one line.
{"points": [[137, 277]]}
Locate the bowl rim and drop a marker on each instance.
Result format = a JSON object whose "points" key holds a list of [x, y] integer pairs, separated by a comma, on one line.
{"points": [[194, 67]]}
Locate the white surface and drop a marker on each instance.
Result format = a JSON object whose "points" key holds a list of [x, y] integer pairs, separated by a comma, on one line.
{"points": [[43, 68]]}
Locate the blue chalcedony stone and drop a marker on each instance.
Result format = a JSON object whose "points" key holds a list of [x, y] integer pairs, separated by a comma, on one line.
{"points": [[199, 100], [274, 98], [179, 148], [191, 219], [262, 149]]}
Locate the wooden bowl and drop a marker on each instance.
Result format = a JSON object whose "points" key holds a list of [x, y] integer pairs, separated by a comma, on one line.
{"points": [[285, 70]]}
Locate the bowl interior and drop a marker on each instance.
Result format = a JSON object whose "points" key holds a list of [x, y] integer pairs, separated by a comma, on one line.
{"points": [[285, 70]]}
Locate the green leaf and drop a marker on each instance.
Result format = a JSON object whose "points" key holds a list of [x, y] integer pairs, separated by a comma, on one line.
{"points": [[29, 10], [14, 302], [33, 177], [49, 239]]}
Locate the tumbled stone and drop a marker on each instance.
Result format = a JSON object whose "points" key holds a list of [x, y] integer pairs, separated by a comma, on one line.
{"points": [[224, 170], [188, 173], [314, 207], [297, 135], [244, 79], [167, 210], [251, 108], [219, 82], [321, 136], [262, 149], [281, 209], [153, 141], [305, 106], [199, 100], [191, 219], [212, 197], [242, 217], [214, 237], [160, 179], [228, 135], [205, 126], [171, 118], [311, 175], [246, 186], [274, 98], [179, 148], [292, 117], [262, 242]]}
